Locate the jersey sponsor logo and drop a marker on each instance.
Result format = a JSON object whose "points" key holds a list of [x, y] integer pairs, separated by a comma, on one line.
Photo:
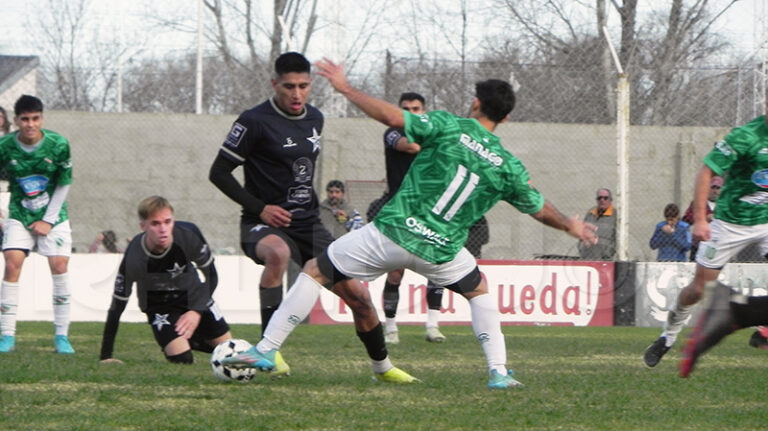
{"points": [[33, 185], [302, 170], [235, 135], [289, 143], [300, 195], [481, 150], [763, 151], [36, 203], [316, 140], [760, 178], [724, 148], [757, 198], [417, 227]]}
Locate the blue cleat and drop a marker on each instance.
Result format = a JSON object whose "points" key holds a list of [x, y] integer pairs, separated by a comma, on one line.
{"points": [[62, 345], [7, 343], [252, 358], [497, 381]]}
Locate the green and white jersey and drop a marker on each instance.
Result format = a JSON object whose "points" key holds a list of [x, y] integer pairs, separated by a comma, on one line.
{"points": [[33, 176], [742, 159], [460, 173]]}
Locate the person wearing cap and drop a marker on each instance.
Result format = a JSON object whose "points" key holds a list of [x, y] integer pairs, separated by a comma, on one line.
{"points": [[714, 191]]}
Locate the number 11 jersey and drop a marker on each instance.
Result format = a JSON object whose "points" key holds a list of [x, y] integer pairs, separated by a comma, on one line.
{"points": [[460, 173]]}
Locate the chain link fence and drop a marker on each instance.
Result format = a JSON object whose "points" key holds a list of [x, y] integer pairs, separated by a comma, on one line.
{"points": [[562, 129]]}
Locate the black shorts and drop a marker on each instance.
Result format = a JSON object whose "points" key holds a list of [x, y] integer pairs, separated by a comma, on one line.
{"points": [[305, 241], [212, 325]]}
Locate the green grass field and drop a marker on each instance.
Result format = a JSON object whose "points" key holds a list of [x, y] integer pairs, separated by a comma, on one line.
{"points": [[576, 379]]}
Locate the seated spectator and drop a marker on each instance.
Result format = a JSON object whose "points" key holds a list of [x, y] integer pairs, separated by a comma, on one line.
{"points": [[105, 242], [672, 237], [334, 210]]}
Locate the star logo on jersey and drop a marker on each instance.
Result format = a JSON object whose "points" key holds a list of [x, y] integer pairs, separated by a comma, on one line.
{"points": [[316, 140], [160, 321], [176, 270]]}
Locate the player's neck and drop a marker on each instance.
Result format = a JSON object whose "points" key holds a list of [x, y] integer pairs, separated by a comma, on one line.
{"points": [[487, 123]]}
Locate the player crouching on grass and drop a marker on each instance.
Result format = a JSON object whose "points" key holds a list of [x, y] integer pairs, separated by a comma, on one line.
{"points": [[460, 173], [163, 261]]}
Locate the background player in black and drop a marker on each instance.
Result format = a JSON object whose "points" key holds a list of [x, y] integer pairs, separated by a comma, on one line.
{"points": [[163, 262], [277, 143], [398, 155]]}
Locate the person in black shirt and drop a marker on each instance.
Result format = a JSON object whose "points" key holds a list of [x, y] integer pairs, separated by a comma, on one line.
{"points": [[163, 261], [277, 143]]}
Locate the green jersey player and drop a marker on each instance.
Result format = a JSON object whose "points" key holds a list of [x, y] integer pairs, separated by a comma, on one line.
{"points": [[460, 173], [39, 171], [740, 219]]}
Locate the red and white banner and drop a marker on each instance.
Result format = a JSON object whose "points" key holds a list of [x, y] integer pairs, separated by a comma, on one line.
{"points": [[535, 292]]}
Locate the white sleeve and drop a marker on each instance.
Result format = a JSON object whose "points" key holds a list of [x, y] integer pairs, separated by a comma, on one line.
{"points": [[54, 206]]}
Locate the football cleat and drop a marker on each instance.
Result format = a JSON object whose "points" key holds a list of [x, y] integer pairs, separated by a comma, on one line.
{"points": [[758, 340], [252, 358], [62, 345], [714, 323], [7, 343], [281, 367], [396, 375], [497, 381], [655, 352], [434, 335], [392, 337]]}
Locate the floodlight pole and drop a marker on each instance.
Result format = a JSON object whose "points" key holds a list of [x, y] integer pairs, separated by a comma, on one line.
{"points": [[199, 69], [621, 199]]}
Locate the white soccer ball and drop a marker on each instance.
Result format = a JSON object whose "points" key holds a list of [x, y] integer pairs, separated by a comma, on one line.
{"points": [[225, 350]]}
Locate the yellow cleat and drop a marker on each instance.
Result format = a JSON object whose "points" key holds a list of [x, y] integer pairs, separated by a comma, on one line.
{"points": [[396, 375], [282, 369]]}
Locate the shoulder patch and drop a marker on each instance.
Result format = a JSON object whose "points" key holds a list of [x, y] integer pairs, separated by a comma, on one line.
{"points": [[235, 135]]}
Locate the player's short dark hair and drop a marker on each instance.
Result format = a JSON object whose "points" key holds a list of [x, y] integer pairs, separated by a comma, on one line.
{"points": [[151, 205], [291, 62], [671, 210], [497, 98], [27, 103], [335, 184], [411, 96]]}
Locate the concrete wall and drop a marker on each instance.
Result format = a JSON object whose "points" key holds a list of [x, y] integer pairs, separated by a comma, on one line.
{"points": [[121, 158]]}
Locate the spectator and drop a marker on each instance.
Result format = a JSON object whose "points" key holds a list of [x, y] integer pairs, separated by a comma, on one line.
{"points": [[105, 242], [5, 125], [714, 191], [334, 210], [672, 237], [604, 217]]}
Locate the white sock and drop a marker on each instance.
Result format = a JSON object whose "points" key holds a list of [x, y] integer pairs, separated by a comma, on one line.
{"points": [[61, 304], [390, 325], [381, 367], [9, 301], [675, 321], [433, 317], [295, 307], [486, 324]]}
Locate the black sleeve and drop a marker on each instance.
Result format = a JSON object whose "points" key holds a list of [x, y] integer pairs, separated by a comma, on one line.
{"points": [[221, 176], [110, 327]]}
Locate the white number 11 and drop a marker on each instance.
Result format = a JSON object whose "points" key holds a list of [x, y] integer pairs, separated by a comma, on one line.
{"points": [[451, 191]]}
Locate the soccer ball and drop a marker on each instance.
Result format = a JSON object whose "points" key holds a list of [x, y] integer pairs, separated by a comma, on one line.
{"points": [[228, 349]]}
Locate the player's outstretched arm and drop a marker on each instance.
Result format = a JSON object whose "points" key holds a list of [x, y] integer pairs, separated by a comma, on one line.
{"points": [[378, 109], [550, 216]]}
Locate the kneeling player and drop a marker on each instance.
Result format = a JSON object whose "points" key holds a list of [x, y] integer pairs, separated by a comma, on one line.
{"points": [[163, 262]]}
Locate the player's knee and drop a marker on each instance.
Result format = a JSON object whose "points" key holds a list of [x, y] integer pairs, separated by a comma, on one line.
{"points": [[181, 358]]}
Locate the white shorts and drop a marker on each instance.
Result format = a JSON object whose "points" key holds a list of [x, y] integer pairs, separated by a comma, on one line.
{"points": [[728, 240], [366, 254], [58, 242]]}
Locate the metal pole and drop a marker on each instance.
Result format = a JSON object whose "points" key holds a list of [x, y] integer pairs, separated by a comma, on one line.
{"points": [[622, 161], [199, 71]]}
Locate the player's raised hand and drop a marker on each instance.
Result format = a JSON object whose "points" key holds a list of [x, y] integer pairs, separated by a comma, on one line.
{"points": [[334, 73], [276, 216]]}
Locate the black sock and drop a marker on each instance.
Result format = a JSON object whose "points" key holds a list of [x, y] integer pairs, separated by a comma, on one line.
{"points": [[270, 298], [391, 297], [374, 343], [753, 313], [434, 296]]}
